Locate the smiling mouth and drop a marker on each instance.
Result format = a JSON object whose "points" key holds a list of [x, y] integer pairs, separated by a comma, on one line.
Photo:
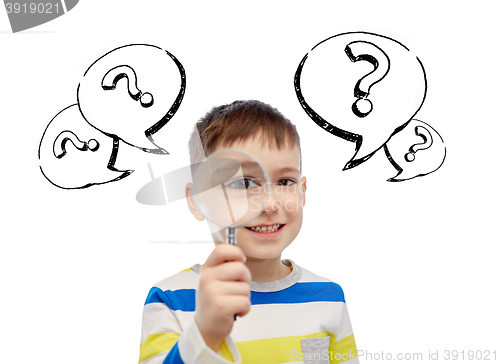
{"points": [[266, 229]]}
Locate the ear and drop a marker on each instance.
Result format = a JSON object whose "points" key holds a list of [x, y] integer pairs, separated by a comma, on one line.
{"points": [[191, 205], [304, 188]]}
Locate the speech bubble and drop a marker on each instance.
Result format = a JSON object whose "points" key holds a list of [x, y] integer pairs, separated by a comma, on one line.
{"points": [[361, 87], [73, 154], [132, 92], [415, 151]]}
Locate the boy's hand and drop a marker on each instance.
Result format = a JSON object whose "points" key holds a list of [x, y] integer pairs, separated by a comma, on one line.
{"points": [[223, 291]]}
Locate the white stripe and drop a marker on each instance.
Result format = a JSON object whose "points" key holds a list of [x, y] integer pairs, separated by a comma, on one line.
{"points": [[278, 320], [265, 321], [345, 328], [181, 280], [158, 319], [189, 280], [308, 276]]}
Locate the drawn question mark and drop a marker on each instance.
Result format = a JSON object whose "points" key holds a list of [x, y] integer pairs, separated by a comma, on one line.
{"points": [[65, 136], [365, 51], [114, 75], [426, 136]]}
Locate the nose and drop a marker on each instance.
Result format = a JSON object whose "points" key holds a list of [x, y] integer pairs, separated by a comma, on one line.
{"points": [[273, 203]]}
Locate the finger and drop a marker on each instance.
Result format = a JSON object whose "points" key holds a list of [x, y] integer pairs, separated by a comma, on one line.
{"points": [[239, 305], [223, 253], [231, 271], [233, 288]]}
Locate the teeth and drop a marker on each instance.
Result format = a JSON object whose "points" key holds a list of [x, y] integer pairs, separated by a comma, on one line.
{"points": [[266, 229]]}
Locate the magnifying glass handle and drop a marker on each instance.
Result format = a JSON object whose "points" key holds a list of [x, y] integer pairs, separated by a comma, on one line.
{"points": [[231, 239], [231, 235]]}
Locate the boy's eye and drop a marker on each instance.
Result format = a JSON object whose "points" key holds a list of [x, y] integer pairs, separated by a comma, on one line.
{"points": [[286, 182], [243, 183]]}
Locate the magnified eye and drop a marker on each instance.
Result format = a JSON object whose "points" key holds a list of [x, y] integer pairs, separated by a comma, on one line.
{"points": [[243, 183]]}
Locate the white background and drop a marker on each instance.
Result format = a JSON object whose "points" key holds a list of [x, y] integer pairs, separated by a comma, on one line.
{"points": [[418, 260]]}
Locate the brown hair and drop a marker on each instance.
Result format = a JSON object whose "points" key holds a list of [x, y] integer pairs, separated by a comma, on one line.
{"points": [[238, 121]]}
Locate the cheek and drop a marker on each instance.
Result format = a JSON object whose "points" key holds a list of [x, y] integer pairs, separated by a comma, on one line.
{"points": [[293, 204], [294, 226], [294, 211]]}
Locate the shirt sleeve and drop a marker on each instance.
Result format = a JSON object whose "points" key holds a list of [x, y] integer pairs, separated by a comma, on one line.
{"points": [[344, 348], [163, 340]]}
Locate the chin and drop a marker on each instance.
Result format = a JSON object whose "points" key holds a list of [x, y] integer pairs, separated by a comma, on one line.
{"points": [[263, 253]]}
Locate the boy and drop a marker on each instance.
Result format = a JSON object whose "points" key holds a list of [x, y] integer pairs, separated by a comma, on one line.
{"points": [[286, 313]]}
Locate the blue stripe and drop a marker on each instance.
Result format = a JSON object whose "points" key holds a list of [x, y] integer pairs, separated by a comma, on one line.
{"points": [[301, 292], [174, 357], [181, 299]]}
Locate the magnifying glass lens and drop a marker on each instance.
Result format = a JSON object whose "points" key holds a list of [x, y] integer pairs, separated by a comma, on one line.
{"points": [[229, 188]]}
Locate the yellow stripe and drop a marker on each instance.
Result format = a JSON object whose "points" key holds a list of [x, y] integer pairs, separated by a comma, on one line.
{"points": [[342, 350], [224, 351], [265, 351], [185, 270], [155, 344]]}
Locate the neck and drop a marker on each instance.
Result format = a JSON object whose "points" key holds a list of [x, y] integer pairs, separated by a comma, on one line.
{"points": [[267, 270]]}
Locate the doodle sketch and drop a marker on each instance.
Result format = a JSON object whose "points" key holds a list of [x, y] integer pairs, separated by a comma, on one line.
{"points": [[425, 141], [366, 88], [73, 154], [127, 95]]}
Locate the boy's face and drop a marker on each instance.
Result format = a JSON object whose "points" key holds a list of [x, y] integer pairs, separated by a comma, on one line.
{"points": [[284, 206]]}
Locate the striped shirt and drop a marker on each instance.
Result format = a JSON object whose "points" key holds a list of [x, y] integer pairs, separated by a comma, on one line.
{"points": [[301, 318]]}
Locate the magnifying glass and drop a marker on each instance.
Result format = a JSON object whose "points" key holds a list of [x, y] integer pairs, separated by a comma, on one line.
{"points": [[229, 189]]}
